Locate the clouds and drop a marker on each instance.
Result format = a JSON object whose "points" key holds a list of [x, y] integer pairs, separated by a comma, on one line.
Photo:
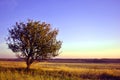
{"points": [[5, 52]]}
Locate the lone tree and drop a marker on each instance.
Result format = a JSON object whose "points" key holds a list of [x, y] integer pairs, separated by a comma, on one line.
{"points": [[33, 41]]}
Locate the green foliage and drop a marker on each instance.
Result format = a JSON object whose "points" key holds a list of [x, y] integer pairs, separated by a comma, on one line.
{"points": [[33, 41]]}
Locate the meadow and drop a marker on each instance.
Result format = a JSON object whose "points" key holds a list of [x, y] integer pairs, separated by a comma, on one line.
{"points": [[15, 70]]}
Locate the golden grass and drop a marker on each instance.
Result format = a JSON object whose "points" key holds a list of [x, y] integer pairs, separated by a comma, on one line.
{"points": [[13, 70]]}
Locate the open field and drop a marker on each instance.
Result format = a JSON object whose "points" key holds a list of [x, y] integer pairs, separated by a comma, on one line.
{"points": [[15, 70]]}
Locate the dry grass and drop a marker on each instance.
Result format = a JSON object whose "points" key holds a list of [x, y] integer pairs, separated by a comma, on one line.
{"points": [[11, 70]]}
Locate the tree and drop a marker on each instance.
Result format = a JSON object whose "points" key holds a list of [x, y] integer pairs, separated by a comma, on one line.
{"points": [[33, 40]]}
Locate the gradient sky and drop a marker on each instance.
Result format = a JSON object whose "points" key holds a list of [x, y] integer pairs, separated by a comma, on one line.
{"points": [[88, 28]]}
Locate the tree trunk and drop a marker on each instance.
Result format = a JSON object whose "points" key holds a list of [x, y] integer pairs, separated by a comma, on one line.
{"points": [[28, 62], [28, 66]]}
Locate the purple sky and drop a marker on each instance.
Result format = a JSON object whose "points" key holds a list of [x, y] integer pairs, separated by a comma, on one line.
{"points": [[88, 28]]}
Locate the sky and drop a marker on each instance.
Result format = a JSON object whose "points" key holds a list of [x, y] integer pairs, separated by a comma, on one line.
{"points": [[88, 28]]}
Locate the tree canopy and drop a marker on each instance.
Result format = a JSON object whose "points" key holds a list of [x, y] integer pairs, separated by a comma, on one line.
{"points": [[33, 40]]}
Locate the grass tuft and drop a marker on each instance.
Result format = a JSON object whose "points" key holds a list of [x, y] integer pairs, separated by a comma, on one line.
{"points": [[11, 70]]}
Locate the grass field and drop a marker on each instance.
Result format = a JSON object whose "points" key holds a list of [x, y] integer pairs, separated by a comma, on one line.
{"points": [[13, 70]]}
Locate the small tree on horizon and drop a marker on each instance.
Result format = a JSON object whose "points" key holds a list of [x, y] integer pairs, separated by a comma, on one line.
{"points": [[33, 41]]}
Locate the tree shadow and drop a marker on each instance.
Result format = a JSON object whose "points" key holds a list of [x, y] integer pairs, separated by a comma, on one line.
{"points": [[13, 69], [106, 76]]}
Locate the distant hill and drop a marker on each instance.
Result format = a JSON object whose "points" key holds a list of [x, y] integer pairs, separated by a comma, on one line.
{"points": [[69, 60]]}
